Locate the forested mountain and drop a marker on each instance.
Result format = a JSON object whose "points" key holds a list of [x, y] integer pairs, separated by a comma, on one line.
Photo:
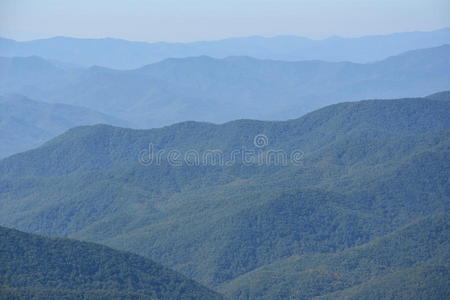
{"points": [[37, 267], [207, 89], [122, 54], [366, 170], [410, 263], [26, 124]]}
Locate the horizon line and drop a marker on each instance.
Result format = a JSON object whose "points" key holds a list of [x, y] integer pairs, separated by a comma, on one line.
{"points": [[227, 38]]}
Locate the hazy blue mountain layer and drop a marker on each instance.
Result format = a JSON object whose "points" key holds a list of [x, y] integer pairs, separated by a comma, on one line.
{"points": [[26, 124], [220, 90], [367, 170], [36, 267], [122, 54]]}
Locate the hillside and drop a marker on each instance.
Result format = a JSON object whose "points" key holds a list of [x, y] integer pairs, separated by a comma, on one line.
{"points": [[26, 124], [444, 96], [207, 89], [36, 267], [428, 282], [122, 54], [396, 263], [367, 169]]}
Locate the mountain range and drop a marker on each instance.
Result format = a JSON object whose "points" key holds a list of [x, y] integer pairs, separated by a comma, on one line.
{"points": [[247, 168], [122, 54], [210, 90], [363, 210]]}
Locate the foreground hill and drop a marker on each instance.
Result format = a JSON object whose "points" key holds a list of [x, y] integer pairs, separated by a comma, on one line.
{"points": [[122, 54], [365, 170], [410, 263], [207, 89], [36, 267], [26, 124]]}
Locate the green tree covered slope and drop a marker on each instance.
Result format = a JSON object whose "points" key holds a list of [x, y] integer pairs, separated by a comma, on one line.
{"points": [[37, 267], [369, 168]]}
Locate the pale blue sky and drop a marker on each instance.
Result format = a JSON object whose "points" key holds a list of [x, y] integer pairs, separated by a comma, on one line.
{"points": [[189, 20]]}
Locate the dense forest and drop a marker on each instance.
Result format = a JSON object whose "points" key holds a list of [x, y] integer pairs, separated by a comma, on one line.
{"points": [[372, 173], [36, 267]]}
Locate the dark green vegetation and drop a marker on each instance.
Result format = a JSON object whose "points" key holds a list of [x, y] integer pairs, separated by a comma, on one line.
{"points": [[36, 267], [370, 168], [427, 283], [26, 124], [207, 89], [122, 54], [410, 263]]}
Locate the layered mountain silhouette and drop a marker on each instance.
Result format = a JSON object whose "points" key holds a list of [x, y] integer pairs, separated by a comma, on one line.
{"points": [[122, 54], [26, 124], [207, 89], [329, 225], [36, 267]]}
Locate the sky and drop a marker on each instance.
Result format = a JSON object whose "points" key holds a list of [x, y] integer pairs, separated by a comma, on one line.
{"points": [[193, 20]]}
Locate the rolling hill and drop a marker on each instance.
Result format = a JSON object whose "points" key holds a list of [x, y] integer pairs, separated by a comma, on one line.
{"points": [[208, 89], [366, 170], [122, 54], [26, 124], [428, 282], [410, 263], [37, 267]]}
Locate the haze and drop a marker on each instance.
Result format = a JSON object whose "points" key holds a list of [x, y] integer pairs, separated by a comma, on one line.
{"points": [[182, 21]]}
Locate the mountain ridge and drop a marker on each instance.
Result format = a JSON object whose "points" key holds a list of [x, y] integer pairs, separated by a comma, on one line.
{"points": [[358, 49], [368, 169], [26, 123], [208, 89]]}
